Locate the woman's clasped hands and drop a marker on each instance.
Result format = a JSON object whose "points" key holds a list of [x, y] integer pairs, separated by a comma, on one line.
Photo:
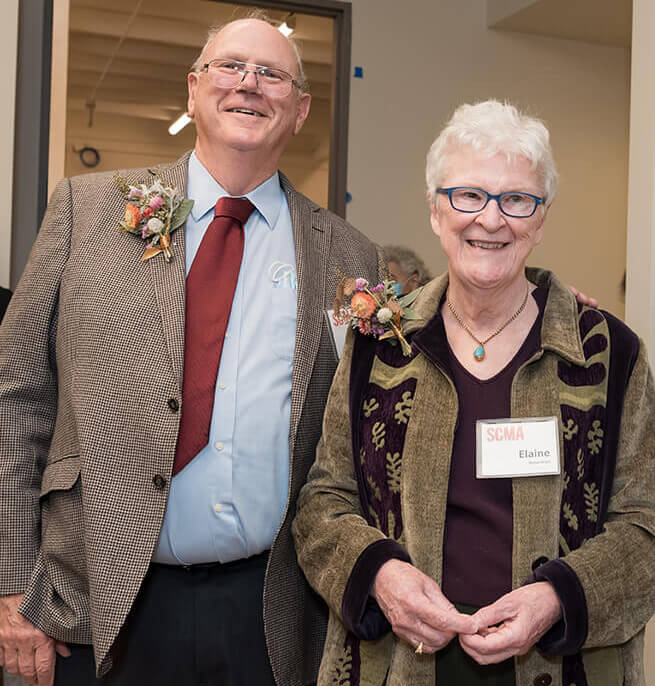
{"points": [[420, 614]]}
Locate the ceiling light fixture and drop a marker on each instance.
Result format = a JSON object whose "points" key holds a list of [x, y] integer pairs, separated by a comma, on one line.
{"points": [[288, 26], [179, 124]]}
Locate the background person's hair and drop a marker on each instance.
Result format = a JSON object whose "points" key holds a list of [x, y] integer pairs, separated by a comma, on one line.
{"points": [[408, 261], [260, 15], [492, 127]]}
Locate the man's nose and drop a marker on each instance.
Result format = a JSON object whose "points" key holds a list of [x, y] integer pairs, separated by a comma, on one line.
{"points": [[249, 81], [491, 218]]}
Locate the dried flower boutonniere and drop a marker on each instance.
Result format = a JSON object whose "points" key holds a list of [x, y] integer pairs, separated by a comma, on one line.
{"points": [[374, 310], [153, 212]]}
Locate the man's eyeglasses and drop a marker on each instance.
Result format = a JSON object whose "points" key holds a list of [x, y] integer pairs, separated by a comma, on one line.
{"points": [[512, 203], [230, 73]]}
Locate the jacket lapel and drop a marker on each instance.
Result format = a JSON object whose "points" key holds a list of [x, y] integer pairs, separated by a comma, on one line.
{"points": [[169, 278], [312, 239]]}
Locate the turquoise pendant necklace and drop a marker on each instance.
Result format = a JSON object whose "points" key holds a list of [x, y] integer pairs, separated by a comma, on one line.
{"points": [[480, 353]]}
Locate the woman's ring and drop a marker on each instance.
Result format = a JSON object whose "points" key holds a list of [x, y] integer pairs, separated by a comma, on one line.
{"points": [[419, 648]]}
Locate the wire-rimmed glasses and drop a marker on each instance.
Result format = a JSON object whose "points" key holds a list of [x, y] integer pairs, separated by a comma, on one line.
{"points": [[228, 74]]}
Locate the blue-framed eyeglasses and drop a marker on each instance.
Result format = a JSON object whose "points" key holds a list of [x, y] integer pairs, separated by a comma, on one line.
{"points": [[511, 203]]}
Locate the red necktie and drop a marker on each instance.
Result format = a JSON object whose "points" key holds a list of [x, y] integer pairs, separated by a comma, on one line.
{"points": [[210, 287]]}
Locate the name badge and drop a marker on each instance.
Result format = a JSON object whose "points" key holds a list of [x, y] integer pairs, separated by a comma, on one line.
{"points": [[517, 447], [337, 333]]}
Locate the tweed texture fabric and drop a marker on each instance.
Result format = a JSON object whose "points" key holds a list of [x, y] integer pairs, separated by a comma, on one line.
{"points": [[615, 565], [91, 370]]}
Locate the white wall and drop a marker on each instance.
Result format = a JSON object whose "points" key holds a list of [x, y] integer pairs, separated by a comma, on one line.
{"points": [[640, 296], [640, 306], [422, 59], [8, 45]]}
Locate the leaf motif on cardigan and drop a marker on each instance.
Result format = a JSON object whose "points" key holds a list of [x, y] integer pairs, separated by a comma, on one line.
{"points": [[375, 489], [394, 463], [375, 518], [570, 430], [391, 523], [362, 455], [404, 408], [343, 669], [580, 464], [591, 495], [595, 436], [369, 406], [570, 516], [565, 481], [378, 432]]}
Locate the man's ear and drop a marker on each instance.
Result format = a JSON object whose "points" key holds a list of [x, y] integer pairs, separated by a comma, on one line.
{"points": [[304, 102], [192, 86]]}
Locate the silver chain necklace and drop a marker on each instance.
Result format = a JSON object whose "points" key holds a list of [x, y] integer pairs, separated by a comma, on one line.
{"points": [[479, 353]]}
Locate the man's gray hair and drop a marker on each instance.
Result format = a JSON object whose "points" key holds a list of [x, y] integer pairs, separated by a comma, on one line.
{"points": [[408, 261], [492, 127], [260, 15]]}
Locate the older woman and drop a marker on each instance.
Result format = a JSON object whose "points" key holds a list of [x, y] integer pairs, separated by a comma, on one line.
{"points": [[487, 499]]}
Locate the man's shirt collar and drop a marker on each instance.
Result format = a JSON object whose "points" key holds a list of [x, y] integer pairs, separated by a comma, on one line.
{"points": [[205, 191]]}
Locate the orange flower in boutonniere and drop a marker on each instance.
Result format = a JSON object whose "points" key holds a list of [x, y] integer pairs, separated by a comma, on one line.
{"points": [[153, 212], [374, 310]]}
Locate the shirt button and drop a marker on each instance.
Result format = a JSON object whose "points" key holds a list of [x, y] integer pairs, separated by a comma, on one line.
{"points": [[221, 385], [218, 507], [173, 404], [227, 335], [543, 680], [219, 446]]}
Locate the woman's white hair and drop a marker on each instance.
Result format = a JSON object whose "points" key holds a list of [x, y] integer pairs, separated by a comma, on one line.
{"points": [[492, 127], [260, 15]]}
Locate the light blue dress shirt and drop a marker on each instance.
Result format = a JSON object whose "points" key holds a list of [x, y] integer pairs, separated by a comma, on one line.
{"points": [[228, 502]]}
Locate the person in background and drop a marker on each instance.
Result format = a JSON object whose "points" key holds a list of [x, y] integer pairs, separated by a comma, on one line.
{"points": [[406, 268], [161, 395], [482, 507]]}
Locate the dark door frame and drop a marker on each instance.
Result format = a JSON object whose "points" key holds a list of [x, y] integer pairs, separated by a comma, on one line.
{"points": [[32, 132], [341, 12]]}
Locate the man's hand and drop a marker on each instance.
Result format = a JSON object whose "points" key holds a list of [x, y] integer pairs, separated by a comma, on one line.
{"points": [[26, 651], [416, 608], [523, 616], [583, 298]]}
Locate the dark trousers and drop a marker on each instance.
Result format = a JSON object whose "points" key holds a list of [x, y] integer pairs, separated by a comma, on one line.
{"points": [[195, 626]]}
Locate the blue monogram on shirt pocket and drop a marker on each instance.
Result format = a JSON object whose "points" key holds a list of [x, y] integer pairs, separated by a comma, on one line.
{"points": [[283, 275], [283, 320]]}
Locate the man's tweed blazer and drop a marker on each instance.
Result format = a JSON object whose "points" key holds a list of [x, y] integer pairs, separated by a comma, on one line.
{"points": [[91, 366]]}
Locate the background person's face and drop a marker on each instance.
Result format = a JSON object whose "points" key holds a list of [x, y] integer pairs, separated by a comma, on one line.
{"points": [[409, 282]]}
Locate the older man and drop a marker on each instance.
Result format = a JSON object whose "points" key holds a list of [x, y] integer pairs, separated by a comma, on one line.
{"points": [[159, 417]]}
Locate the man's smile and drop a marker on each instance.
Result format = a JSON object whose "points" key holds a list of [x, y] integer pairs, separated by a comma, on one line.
{"points": [[244, 110]]}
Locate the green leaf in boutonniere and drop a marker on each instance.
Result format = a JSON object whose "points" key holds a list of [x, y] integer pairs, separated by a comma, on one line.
{"points": [[154, 212], [181, 213]]}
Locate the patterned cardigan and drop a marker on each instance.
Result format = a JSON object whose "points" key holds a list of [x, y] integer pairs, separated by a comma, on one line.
{"points": [[378, 490]]}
